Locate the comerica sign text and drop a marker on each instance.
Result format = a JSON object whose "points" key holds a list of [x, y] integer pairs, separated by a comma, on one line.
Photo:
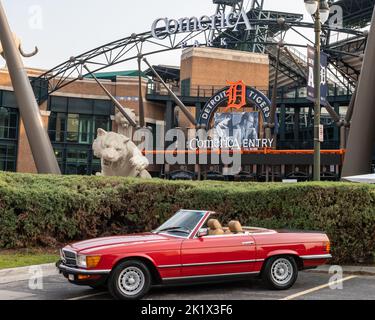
{"points": [[163, 27]]}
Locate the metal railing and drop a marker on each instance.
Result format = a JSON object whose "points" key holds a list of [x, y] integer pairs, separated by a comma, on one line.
{"points": [[206, 91]]}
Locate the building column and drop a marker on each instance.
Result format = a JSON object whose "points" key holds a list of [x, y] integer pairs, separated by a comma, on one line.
{"points": [[336, 134], [169, 116], [282, 127], [198, 110], [296, 124]]}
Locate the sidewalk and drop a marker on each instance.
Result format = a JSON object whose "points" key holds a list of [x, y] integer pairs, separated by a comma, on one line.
{"points": [[356, 270], [25, 273]]}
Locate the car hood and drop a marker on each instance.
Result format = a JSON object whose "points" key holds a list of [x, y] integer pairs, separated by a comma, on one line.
{"points": [[111, 242]]}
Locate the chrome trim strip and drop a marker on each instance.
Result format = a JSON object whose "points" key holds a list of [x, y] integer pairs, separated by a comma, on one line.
{"points": [[317, 257], [219, 262], [65, 268], [170, 266], [171, 235], [212, 276], [210, 263]]}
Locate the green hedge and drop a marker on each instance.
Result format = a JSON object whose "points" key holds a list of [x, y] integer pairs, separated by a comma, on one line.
{"points": [[49, 210]]}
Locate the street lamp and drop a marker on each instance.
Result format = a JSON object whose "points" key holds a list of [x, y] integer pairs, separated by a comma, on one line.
{"points": [[319, 9], [311, 6]]}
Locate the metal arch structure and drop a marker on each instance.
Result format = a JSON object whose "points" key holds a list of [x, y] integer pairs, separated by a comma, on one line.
{"points": [[234, 6], [344, 56], [144, 44], [286, 64]]}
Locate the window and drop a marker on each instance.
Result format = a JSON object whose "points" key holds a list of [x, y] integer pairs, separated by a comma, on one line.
{"points": [[8, 123], [9, 100], [85, 132], [75, 128], [8, 137], [57, 124], [77, 161], [182, 223], [102, 122], [8, 157], [72, 128]]}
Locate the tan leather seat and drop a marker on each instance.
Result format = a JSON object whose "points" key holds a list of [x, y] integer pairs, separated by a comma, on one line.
{"points": [[215, 228], [235, 227], [227, 231]]}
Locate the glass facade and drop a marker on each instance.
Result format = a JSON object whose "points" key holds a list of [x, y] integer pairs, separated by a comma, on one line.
{"points": [[72, 129], [296, 131], [9, 127]]}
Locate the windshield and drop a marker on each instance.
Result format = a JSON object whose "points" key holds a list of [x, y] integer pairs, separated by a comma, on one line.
{"points": [[182, 223]]}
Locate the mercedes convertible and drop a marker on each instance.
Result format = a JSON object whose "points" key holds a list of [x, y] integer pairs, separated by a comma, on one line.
{"points": [[192, 246]]}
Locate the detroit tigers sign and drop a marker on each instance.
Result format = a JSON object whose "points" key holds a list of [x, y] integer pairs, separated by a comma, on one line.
{"points": [[237, 95]]}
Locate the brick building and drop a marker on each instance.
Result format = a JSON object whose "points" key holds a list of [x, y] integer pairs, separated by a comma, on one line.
{"points": [[73, 114]]}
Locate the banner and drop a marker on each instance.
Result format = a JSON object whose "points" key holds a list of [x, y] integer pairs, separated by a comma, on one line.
{"points": [[311, 76], [238, 130]]}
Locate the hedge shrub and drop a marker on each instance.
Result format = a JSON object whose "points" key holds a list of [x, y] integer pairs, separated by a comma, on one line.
{"points": [[43, 210]]}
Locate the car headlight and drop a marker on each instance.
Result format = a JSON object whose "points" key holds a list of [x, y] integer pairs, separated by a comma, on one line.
{"points": [[88, 261], [81, 261]]}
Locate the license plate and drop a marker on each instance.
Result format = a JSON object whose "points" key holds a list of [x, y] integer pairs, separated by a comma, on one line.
{"points": [[71, 277]]}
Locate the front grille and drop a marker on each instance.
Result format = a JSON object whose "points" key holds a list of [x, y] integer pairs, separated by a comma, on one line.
{"points": [[70, 258]]}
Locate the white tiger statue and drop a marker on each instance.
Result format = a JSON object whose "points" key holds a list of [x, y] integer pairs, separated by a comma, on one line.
{"points": [[119, 156]]}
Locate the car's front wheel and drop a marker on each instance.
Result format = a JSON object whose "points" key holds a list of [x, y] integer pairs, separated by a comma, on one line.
{"points": [[130, 280], [280, 273]]}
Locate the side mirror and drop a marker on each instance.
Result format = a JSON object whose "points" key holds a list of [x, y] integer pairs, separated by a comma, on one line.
{"points": [[202, 233]]}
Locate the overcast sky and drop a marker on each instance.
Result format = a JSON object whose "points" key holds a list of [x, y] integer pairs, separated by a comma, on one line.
{"points": [[69, 27]]}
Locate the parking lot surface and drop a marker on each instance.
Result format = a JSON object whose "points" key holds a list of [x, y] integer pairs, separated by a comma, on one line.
{"points": [[310, 286]]}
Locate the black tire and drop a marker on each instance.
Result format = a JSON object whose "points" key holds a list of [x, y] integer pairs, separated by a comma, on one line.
{"points": [[130, 280], [280, 273]]}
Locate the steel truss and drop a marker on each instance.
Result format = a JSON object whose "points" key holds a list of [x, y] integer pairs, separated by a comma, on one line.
{"points": [[234, 6], [357, 13], [136, 45]]}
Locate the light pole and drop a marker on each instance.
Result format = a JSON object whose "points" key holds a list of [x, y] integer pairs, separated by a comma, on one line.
{"points": [[319, 9]]}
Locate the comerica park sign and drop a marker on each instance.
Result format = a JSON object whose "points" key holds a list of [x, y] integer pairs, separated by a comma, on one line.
{"points": [[163, 27]]}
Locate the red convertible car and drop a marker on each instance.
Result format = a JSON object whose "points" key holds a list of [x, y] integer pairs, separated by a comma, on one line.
{"points": [[192, 246]]}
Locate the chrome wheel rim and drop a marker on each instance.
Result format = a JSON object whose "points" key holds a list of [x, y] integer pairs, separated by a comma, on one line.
{"points": [[131, 281], [282, 271]]}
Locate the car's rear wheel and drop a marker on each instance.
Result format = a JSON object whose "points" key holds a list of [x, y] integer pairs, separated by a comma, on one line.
{"points": [[280, 273], [130, 280]]}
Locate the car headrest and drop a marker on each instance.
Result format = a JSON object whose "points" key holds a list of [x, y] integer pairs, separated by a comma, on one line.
{"points": [[214, 224], [235, 227]]}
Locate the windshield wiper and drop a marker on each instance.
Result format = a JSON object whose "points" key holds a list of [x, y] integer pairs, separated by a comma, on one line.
{"points": [[186, 230]]}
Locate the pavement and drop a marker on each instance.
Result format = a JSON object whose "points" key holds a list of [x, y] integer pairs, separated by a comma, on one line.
{"points": [[44, 283]]}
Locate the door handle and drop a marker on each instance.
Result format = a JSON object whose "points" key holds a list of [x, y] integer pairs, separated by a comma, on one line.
{"points": [[248, 243]]}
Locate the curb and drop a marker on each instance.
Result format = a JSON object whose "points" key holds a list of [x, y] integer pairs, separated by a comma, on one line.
{"points": [[25, 273], [361, 270]]}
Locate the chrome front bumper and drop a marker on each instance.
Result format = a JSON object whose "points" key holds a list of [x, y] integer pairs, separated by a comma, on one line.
{"points": [[69, 270]]}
